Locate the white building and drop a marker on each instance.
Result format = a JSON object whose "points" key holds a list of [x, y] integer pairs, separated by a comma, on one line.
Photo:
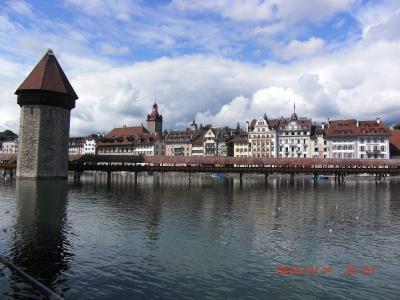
{"points": [[263, 137], [241, 145], [294, 137], [83, 145], [358, 139], [10, 147], [217, 142], [89, 147]]}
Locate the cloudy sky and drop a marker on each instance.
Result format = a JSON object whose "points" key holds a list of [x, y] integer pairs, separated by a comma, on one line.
{"points": [[218, 61]]}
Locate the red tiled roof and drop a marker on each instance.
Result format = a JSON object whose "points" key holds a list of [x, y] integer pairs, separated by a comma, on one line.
{"points": [[241, 137], [342, 128], [126, 131], [139, 139], [372, 128], [182, 136], [48, 75], [199, 140], [353, 128]]}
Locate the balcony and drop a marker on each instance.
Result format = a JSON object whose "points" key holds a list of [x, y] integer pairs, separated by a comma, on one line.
{"points": [[372, 151]]}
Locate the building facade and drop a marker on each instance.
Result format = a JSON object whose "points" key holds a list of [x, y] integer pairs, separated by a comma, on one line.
{"points": [[358, 139], [241, 145], [179, 143], [294, 137], [76, 145], [86, 145], [198, 145], [263, 137], [217, 141], [135, 140], [319, 146], [9, 147]]}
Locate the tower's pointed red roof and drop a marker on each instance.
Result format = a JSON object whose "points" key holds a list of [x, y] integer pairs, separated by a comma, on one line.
{"points": [[48, 75]]}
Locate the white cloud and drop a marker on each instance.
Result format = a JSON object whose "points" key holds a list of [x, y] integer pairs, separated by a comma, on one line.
{"points": [[385, 30], [358, 81], [311, 10], [255, 10], [299, 49], [119, 9], [112, 50], [20, 7]]}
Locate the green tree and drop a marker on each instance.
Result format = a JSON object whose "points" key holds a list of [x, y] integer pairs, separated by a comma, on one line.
{"points": [[238, 127], [7, 135]]}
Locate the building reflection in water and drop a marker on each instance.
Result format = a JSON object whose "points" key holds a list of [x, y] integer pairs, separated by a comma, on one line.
{"points": [[40, 241]]}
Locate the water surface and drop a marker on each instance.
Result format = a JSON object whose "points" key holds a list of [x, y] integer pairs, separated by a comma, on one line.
{"points": [[168, 238]]}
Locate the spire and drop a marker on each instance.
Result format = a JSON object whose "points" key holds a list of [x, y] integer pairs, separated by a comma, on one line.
{"points": [[155, 106], [47, 75]]}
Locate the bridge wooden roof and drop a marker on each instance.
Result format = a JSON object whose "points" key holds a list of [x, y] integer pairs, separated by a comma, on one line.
{"points": [[229, 160], [224, 160]]}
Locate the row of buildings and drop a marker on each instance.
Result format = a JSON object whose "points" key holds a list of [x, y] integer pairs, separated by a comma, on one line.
{"points": [[296, 137]]}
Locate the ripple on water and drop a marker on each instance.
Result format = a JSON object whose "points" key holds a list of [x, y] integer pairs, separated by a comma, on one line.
{"points": [[166, 239]]}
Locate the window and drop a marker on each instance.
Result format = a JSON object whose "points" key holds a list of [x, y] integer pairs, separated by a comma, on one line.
{"points": [[382, 148], [362, 148]]}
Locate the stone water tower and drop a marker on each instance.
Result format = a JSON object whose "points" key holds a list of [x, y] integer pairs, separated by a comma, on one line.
{"points": [[46, 98]]}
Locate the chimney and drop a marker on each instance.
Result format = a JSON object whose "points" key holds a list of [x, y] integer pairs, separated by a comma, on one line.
{"points": [[323, 125], [378, 120], [358, 124], [247, 126], [124, 126]]}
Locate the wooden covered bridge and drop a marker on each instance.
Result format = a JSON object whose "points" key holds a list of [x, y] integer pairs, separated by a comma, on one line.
{"points": [[241, 165]]}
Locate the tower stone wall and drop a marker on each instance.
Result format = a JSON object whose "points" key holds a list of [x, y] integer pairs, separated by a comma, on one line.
{"points": [[43, 144], [154, 126]]}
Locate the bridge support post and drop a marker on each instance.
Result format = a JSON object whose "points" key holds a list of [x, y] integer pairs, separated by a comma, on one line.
{"points": [[315, 177], [108, 177]]}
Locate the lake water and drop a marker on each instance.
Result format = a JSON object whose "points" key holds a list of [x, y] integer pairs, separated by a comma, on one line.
{"points": [[168, 238]]}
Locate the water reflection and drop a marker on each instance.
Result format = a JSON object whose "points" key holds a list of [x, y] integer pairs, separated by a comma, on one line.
{"points": [[40, 245]]}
